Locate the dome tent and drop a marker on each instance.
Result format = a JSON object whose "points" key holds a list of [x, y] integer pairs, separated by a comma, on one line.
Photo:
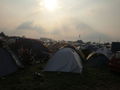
{"points": [[9, 62], [97, 60], [65, 60]]}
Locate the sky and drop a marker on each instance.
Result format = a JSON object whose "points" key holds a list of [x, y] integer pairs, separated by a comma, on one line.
{"points": [[92, 20]]}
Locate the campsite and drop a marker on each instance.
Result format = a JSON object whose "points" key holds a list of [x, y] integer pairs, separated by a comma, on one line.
{"points": [[59, 44], [27, 64]]}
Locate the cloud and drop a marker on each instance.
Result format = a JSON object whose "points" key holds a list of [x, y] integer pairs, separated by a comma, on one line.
{"points": [[73, 28], [29, 29], [89, 33], [29, 26], [92, 19], [66, 31]]}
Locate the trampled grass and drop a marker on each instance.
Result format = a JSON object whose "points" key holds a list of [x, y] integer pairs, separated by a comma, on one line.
{"points": [[90, 79]]}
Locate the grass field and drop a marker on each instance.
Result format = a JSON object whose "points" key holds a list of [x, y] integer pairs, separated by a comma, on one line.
{"points": [[90, 79]]}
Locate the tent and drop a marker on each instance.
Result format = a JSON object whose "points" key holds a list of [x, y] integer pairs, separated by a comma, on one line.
{"points": [[30, 50], [105, 51], [89, 49], [65, 60], [7, 64], [97, 60]]}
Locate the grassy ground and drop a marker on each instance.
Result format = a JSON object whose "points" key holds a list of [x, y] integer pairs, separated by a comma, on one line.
{"points": [[91, 79]]}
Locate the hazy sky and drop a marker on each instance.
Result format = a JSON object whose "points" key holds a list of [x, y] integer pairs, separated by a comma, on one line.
{"points": [[62, 19]]}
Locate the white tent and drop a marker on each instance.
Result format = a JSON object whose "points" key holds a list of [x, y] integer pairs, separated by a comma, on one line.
{"points": [[65, 60]]}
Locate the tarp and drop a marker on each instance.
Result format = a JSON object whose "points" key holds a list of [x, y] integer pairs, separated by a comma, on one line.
{"points": [[65, 60]]}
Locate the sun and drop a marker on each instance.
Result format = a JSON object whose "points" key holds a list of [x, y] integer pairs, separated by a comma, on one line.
{"points": [[51, 5]]}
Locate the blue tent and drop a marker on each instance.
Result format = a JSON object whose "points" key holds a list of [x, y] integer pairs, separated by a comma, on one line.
{"points": [[7, 64]]}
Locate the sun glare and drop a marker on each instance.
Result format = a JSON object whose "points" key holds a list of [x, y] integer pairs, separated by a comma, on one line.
{"points": [[50, 4]]}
